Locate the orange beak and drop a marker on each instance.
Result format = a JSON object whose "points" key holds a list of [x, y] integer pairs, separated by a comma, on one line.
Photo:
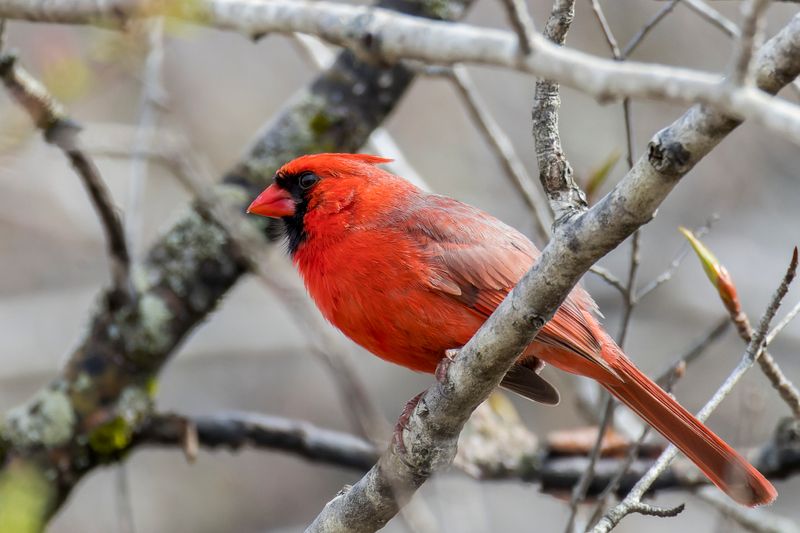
{"points": [[274, 202]]}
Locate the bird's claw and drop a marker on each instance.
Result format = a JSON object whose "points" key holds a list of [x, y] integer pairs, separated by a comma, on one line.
{"points": [[444, 364], [402, 422]]}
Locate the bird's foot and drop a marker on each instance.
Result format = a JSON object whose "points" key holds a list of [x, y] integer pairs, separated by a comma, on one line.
{"points": [[444, 364], [402, 422]]}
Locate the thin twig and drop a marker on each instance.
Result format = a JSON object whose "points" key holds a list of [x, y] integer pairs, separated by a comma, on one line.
{"points": [[607, 33], [503, 149], [713, 16], [153, 97], [521, 22], [786, 389], [783, 323], [609, 278], [666, 380], [58, 129], [580, 488], [125, 520], [632, 500], [676, 261], [750, 37], [640, 35], [754, 520]]}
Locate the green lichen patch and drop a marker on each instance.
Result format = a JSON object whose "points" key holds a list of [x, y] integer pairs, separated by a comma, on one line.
{"points": [[113, 436], [26, 498], [110, 437], [48, 419]]}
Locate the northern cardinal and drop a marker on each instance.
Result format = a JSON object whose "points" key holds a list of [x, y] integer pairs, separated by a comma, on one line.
{"points": [[410, 276]]}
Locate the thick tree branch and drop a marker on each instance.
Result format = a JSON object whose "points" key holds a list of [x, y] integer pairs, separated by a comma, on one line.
{"points": [[433, 428], [88, 414], [380, 34]]}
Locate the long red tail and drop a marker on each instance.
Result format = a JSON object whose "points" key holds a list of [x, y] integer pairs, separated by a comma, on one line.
{"points": [[722, 464]]}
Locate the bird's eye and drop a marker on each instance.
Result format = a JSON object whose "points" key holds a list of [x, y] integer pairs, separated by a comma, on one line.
{"points": [[307, 180]]}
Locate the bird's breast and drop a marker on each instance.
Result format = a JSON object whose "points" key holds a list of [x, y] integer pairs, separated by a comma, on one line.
{"points": [[373, 288]]}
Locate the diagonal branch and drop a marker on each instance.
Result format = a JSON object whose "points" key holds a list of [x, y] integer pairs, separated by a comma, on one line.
{"points": [[433, 428], [84, 417], [374, 33], [754, 348], [57, 128]]}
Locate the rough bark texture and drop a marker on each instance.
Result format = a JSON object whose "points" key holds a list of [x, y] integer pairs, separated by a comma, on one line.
{"points": [[432, 431], [380, 34], [87, 415]]}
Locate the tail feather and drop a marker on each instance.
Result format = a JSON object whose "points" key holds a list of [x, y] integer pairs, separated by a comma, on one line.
{"points": [[726, 468]]}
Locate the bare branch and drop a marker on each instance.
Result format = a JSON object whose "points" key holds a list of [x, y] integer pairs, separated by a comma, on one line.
{"points": [[607, 33], [57, 128], [521, 21], [749, 40], [503, 149], [642, 33], [392, 37], [434, 425], [754, 347], [609, 278], [235, 430], [582, 486], [713, 16], [786, 389], [153, 97], [755, 520]]}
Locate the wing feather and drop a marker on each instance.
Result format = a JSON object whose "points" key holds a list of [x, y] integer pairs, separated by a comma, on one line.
{"points": [[477, 259]]}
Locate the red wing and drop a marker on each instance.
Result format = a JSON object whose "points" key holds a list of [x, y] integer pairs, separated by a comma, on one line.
{"points": [[477, 259]]}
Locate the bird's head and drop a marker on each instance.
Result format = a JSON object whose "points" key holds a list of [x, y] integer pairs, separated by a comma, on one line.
{"points": [[318, 193], [305, 180]]}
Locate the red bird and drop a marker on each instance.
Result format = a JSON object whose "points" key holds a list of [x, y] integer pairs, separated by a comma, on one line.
{"points": [[409, 275]]}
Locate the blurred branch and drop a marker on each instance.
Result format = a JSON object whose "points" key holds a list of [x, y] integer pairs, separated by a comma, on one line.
{"points": [[727, 26], [503, 149], [376, 33], [87, 415], [750, 36], [755, 520], [153, 98], [59, 130], [554, 471], [640, 35], [250, 245], [236, 430], [631, 502], [713, 16], [521, 21], [434, 425]]}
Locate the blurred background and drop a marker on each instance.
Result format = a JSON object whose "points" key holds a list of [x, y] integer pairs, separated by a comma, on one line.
{"points": [[251, 354]]}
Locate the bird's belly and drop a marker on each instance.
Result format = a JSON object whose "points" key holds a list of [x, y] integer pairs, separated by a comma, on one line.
{"points": [[410, 329], [393, 315]]}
